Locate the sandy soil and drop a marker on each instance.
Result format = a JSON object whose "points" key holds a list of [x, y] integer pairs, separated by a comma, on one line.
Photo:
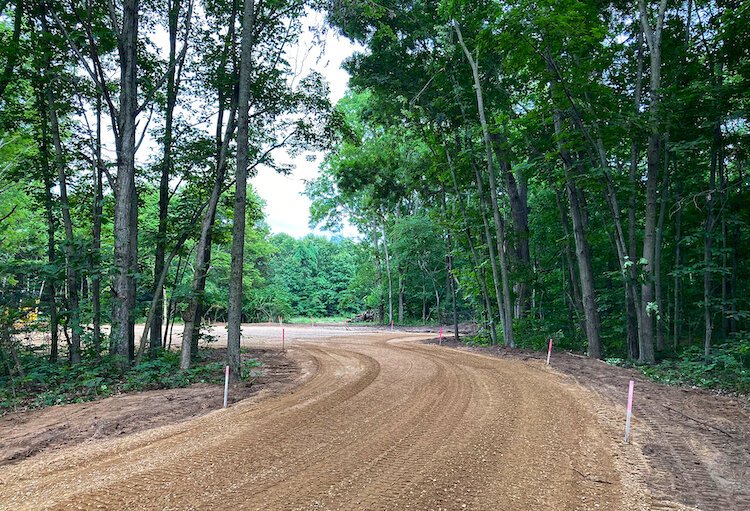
{"points": [[378, 421], [27, 433], [695, 443]]}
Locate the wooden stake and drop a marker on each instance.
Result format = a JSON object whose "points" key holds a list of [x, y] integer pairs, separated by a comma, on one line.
{"points": [[226, 385], [629, 413]]}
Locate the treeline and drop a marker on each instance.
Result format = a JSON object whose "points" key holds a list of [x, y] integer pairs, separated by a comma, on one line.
{"points": [[128, 131], [567, 169]]}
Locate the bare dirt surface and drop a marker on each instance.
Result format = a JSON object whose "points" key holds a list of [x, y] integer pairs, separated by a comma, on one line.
{"points": [[696, 444], [27, 433], [378, 421]]}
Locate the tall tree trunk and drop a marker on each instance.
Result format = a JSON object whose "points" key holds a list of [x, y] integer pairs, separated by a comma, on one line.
{"points": [[496, 279], [576, 301], [663, 200], [192, 316], [449, 268], [474, 255], [401, 285], [46, 171], [708, 244], [96, 237], [519, 210], [123, 288], [653, 39], [68, 247], [234, 315], [50, 288], [583, 251], [676, 316], [388, 275], [172, 82], [505, 312]]}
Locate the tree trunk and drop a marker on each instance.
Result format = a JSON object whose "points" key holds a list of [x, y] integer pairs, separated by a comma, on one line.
{"points": [[519, 210], [68, 247], [653, 39], [676, 315], [449, 267], [96, 237], [707, 244], [46, 171], [51, 286], [401, 285], [388, 274], [193, 314], [506, 312], [234, 314], [123, 287], [663, 199], [576, 301], [583, 251], [496, 279], [474, 255]]}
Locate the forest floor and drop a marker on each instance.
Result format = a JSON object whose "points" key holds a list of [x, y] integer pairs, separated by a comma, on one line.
{"points": [[696, 443], [371, 420]]}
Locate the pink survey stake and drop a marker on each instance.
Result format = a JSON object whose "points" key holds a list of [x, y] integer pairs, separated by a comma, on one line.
{"points": [[549, 351]]}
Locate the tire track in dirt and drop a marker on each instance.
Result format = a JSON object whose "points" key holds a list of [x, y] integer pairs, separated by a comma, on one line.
{"points": [[381, 424]]}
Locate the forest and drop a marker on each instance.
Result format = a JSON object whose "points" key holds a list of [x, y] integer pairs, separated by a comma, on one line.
{"points": [[541, 169]]}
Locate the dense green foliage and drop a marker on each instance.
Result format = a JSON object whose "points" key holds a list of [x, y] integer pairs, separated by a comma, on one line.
{"points": [[554, 168], [581, 166]]}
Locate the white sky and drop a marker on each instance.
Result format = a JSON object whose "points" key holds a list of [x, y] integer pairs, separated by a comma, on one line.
{"points": [[287, 208]]}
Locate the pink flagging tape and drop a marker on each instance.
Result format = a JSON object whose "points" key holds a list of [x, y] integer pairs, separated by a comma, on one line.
{"points": [[629, 412], [391, 324], [226, 385], [441, 336], [549, 351]]}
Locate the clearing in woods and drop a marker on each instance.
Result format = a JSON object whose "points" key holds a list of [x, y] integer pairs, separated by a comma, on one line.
{"points": [[376, 421]]}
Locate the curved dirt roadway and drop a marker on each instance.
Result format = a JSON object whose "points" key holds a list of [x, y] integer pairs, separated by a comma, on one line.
{"points": [[379, 423]]}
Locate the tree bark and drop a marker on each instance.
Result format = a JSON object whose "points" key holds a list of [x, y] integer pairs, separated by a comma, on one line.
{"points": [[653, 40], [69, 246], [708, 244], [663, 200], [496, 279], [388, 275], [123, 288], [193, 314], [505, 312], [519, 210], [583, 251], [479, 268], [172, 82], [96, 236], [234, 315]]}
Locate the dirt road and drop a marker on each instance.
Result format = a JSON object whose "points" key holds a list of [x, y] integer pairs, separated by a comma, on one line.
{"points": [[378, 422]]}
